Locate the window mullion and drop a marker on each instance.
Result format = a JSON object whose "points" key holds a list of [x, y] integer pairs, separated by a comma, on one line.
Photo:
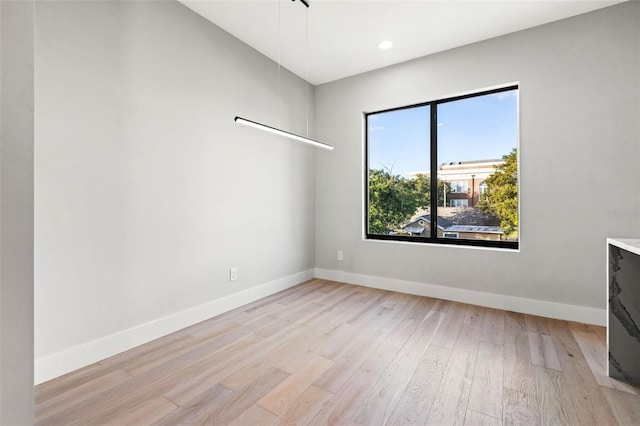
{"points": [[434, 172]]}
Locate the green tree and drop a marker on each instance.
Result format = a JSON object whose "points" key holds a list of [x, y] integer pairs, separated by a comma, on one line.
{"points": [[422, 185], [393, 199], [501, 196]]}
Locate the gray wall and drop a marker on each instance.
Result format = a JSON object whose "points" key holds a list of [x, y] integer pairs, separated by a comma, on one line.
{"points": [[16, 212], [146, 190], [579, 145]]}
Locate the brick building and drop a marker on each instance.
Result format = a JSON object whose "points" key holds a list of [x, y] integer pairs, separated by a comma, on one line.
{"points": [[464, 180]]}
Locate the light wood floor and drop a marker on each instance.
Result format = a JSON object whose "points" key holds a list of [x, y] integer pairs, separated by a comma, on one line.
{"points": [[329, 353]]}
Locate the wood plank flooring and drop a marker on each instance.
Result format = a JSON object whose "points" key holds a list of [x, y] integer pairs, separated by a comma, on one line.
{"points": [[326, 353]]}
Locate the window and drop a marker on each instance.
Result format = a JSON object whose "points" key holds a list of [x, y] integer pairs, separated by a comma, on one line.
{"points": [[482, 188], [459, 203], [459, 186], [462, 150]]}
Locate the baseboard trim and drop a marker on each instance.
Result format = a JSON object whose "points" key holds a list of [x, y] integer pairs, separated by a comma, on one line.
{"points": [[523, 305], [55, 365]]}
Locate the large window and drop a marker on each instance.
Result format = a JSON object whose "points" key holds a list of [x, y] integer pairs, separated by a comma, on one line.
{"points": [[464, 151]]}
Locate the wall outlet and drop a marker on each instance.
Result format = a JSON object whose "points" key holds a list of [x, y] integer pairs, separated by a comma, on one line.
{"points": [[340, 255], [233, 274]]}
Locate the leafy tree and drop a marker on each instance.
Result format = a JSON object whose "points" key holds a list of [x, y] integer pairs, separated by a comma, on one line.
{"points": [[501, 196], [422, 185], [394, 199], [391, 201]]}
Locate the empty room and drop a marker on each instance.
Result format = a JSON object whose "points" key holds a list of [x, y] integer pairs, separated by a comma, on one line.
{"points": [[319, 212]]}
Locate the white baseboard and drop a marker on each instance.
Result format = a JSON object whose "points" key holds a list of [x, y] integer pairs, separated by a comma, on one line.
{"points": [[541, 308], [55, 365]]}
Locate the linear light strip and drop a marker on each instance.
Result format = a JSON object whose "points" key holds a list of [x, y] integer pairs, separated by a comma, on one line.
{"points": [[277, 131]]}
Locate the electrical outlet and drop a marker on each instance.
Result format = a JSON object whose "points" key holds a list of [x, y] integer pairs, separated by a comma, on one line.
{"points": [[340, 255], [233, 274]]}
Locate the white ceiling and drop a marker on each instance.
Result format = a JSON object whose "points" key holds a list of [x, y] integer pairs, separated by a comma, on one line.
{"points": [[343, 36]]}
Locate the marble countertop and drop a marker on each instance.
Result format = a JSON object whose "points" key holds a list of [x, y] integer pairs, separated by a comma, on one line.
{"points": [[629, 244]]}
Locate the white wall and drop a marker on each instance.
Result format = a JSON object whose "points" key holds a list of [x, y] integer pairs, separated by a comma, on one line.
{"points": [[16, 212], [579, 147], [146, 191]]}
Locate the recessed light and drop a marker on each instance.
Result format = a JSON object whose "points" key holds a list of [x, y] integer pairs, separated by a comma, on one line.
{"points": [[385, 45]]}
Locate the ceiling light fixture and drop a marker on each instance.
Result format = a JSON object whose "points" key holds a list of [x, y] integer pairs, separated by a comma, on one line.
{"points": [[276, 130], [385, 45]]}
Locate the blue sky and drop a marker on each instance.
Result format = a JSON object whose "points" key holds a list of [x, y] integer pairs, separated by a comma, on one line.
{"points": [[480, 128]]}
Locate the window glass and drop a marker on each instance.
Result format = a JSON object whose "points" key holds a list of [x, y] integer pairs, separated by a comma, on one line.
{"points": [[477, 156], [398, 170]]}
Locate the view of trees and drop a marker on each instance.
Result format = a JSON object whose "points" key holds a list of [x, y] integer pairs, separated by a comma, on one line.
{"points": [[393, 199], [501, 197]]}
